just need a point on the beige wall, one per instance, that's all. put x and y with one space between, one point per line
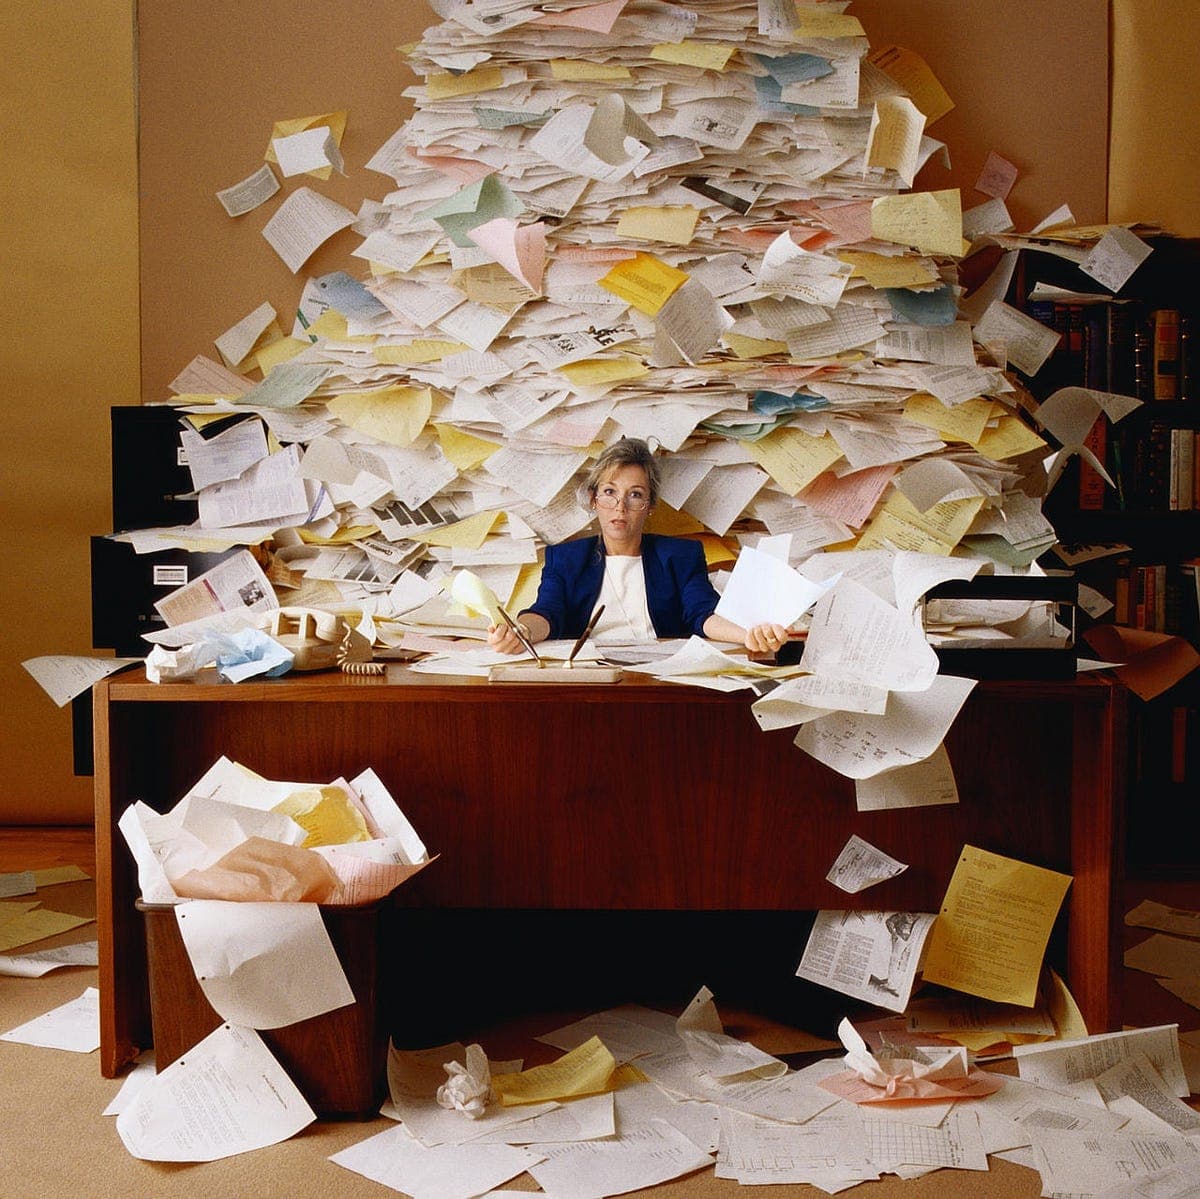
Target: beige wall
68 196
1025 75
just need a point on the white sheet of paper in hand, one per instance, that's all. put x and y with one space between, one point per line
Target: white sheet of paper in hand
74 1026
763 589
230 1071
263 965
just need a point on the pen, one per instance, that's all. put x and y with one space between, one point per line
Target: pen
512 624
591 624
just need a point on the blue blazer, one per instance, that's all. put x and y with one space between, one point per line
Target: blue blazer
679 596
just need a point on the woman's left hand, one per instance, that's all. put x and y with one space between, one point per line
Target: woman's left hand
765 638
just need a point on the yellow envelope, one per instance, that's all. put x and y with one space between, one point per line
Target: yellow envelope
395 415
587 1070
326 814
992 929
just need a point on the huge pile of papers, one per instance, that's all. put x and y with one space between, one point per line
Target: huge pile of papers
686 223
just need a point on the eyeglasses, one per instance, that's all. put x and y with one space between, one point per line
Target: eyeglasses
633 502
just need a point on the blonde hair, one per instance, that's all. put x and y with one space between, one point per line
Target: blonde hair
629 451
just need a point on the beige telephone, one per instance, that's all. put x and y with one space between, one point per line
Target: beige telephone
313 637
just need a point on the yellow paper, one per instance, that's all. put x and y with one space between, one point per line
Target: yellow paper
575 70
889 270
794 458
670 522
394 415
1010 438
705 55
335 122
525 589
35 925
330 324
417 351
644 281
912 73
992 929
271 334
674 224
895 139
462 449
899 525
474 596
929 221
752 347
588 372
58 874
587 1070
342 536
279 351
326 814
447 85
1064 1011
961 422
816 20
468 534
717 551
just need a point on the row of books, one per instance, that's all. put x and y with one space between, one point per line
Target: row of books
1117 345
1161 597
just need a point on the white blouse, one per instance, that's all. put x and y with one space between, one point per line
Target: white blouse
626 616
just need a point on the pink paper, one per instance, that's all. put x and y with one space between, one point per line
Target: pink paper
904 1089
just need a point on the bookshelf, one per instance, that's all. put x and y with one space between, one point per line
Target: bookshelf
1140 342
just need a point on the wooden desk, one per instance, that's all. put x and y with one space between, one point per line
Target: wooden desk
639 795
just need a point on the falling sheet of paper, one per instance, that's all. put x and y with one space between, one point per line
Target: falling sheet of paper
1058 1064
263 965
860 865
1149 914
226 1095
34 965
763 589
64 676
74 1026
923 784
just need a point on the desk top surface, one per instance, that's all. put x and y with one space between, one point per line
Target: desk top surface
403 685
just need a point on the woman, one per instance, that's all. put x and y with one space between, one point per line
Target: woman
650 586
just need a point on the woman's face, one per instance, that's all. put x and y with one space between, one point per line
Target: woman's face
621 526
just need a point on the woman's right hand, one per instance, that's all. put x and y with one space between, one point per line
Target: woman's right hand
502 639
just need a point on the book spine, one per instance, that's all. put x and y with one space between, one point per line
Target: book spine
1122 592
1143 363
1091 483
1187 359
1166 353
1118 346
1160 597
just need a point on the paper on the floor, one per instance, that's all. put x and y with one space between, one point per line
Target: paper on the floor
1137 1079
226 1095
263 965
587 1119
1079 1163
1057 1064
397 1160
413 1079
1165 957
140 1074
20 882
74 1026
34 923
42 961
1149 914
654 1153
1174 1182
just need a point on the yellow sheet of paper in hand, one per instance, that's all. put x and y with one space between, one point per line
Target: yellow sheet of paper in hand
992 929
794 458
587 1070
475 596
929 221
326 814
395 415
644 281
